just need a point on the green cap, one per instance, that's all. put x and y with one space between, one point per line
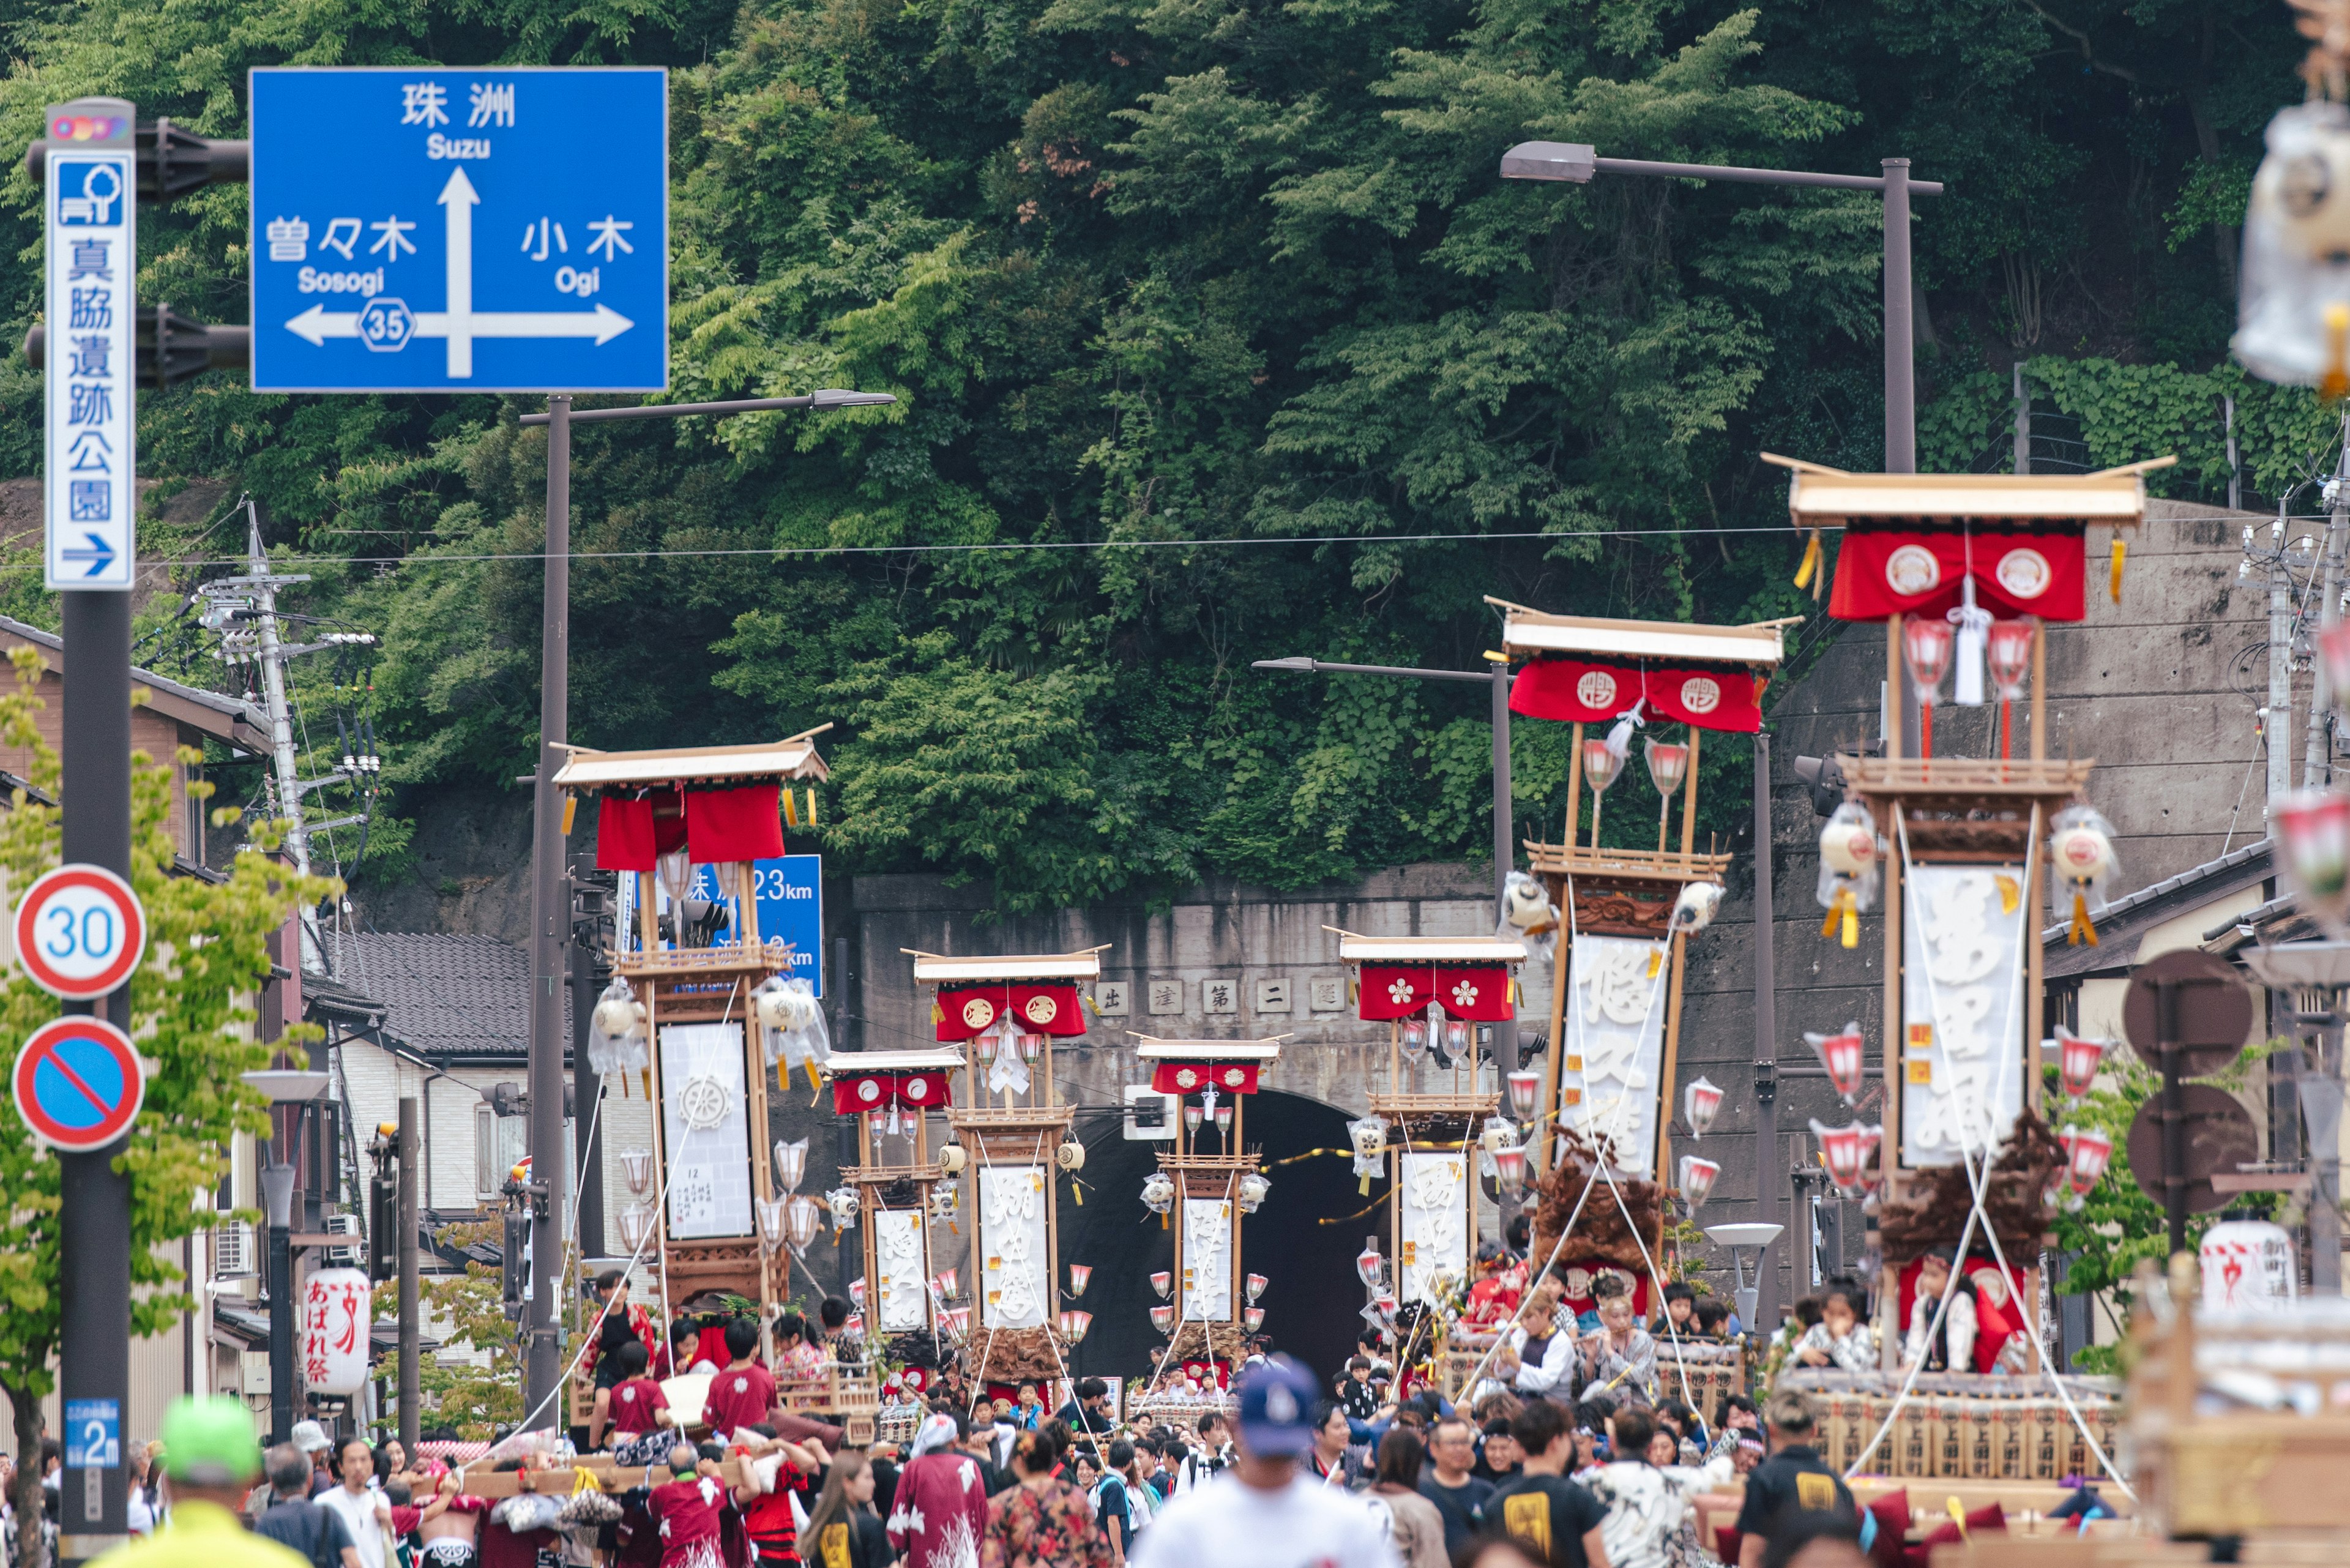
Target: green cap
209 1440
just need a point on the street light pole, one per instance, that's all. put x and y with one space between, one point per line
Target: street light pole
1576 162
551 933
1505 849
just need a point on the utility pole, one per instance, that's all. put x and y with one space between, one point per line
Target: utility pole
2317 747
2277 723
410 1329
1767 1168
281 719
550 896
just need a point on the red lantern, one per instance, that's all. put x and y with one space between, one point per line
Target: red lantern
1699 1104
1525 1094
1162 1318
1075 1324
2091 1150
1510 1168
1698 1176
943 1282
2313 828
1163 1284
2077 1058
1370 1264
1843 1055
1080 1276
1846 1150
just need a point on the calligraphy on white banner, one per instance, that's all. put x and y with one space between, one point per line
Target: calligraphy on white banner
1434 1241
706 1129
1012 1245
1962 1009
1207 1260
1615 1045
904 1271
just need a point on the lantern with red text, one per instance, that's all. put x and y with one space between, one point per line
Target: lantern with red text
337 1312
1843 1055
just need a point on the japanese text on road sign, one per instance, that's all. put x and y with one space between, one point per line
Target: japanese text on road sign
92 266
486 230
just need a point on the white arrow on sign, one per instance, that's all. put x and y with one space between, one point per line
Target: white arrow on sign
460 323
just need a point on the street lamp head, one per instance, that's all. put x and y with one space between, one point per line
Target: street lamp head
1296 664
286 1086
835 398
277 1195
1569 161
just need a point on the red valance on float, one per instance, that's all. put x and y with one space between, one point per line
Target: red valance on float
2018 569
1193 1077
1479 993
880 1091
1998 1304
965 1010
1581 690
714 826
1217 1374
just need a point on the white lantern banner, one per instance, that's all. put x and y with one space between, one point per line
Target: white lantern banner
706 1128
336 1314
1010 1244
2248 1266
1434 1236
1962 1009
1615 1045
905 1304
1207 1260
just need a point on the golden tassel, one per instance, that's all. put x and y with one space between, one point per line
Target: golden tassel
1363 1187
1836 913
570 811
646 1074
2336 380
1656 962
1078 1192
811 793
1810 567
2121 554
1851 921
1162 1221
2082 930
791 810
813 1082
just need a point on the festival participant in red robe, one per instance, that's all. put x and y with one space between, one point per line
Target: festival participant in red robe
689 1510
939 1513
740 1395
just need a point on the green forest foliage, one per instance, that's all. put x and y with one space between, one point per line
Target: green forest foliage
1221 310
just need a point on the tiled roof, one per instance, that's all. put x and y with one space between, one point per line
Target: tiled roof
444 995
2151 904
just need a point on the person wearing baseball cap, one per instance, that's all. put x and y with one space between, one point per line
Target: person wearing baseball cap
1262 1512
210 1460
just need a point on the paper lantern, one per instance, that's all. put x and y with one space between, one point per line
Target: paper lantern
337 1317
790 1164
1497 1134
1510 1169
1667 765
1031 1047
1698 1176
2078 1058
1162 1283
1074 1325
944 1285
1193 1116
1844 1057
802 1215
1600 763
1458 1035
1525 1094
1256 1284
1701 1103
856 1290
946 1202
1845 1149
1252 1318
987 1045
636 1224
636 1166
1694 907
1370 1264
1159 1192
2008 652
1080 1276
1926 642
1071 1155
1848 870
772 1228
1224 1120
2092 1151
952 1158
1162 1318
1386 1305
2313 829
843 1203
853 1325
1526 903
2292 322
1415 1039
1252 1189
2081 865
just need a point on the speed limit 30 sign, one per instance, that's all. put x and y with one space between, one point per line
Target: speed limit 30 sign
81 931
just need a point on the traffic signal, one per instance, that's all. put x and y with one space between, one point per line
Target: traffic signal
172 348
1823 776
171 162
383 1226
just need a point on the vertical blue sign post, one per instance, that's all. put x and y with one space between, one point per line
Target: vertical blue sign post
92 266
499 230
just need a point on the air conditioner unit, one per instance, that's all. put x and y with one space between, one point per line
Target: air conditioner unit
351 1257
233 1251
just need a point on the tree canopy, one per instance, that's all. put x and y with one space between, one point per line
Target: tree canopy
1218 338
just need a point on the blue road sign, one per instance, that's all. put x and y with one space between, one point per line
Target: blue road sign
93 1434
78 1083
93 234
791 905
422 230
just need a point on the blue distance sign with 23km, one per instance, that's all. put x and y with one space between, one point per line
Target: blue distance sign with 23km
425 230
